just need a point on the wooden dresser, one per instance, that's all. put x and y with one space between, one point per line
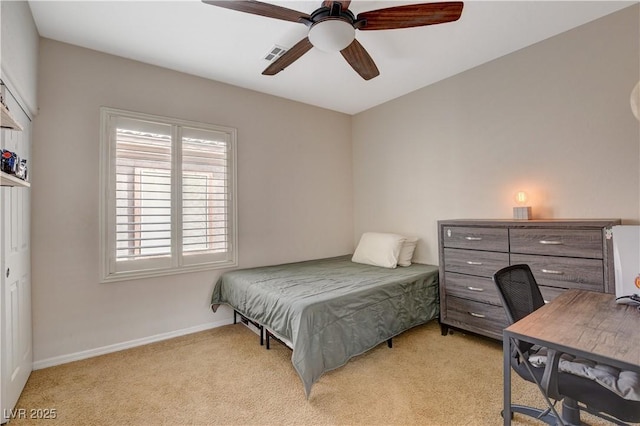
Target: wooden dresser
562 254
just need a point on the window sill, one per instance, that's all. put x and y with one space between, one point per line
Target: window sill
136 275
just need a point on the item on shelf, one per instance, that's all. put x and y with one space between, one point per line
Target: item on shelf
21 169
11 163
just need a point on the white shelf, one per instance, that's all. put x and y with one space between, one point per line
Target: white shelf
6 119
9 180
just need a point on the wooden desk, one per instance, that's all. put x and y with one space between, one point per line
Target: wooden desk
582 323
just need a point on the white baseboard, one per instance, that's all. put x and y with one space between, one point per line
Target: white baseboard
63 359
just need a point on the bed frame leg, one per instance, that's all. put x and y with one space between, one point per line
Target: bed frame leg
261 335
268 338
235 316
390 343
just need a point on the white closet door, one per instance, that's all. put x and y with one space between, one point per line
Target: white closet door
16 352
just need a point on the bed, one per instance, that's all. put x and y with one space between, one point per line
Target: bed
330 310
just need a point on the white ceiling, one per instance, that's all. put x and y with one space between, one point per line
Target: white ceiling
229 46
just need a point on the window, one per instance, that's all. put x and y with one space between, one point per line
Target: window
168 203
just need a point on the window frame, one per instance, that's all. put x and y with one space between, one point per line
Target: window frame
107 201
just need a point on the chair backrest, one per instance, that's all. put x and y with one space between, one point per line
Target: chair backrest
518 290
520 296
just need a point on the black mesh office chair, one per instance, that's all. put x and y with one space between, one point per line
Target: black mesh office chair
520 296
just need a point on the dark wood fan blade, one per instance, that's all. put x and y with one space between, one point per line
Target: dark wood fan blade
260 8
289 57
411 15
329 3
360 60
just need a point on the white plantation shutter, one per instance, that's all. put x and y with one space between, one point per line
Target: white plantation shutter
169 189
143 193
205 194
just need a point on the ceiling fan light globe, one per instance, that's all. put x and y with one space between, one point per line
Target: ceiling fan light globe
332 35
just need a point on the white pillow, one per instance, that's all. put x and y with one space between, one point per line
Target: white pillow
406 251
378 249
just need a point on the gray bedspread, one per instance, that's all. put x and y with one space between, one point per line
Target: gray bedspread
331 309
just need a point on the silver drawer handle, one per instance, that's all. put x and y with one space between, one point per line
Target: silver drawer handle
473 238
469 262
550 242
473 314
552 272
475 288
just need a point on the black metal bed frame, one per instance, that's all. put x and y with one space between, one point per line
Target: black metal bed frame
264 332
246 321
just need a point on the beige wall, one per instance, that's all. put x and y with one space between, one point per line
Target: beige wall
294 182
552 119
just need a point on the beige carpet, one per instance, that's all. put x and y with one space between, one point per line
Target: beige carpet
223 376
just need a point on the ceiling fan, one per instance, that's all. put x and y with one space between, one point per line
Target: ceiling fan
332 27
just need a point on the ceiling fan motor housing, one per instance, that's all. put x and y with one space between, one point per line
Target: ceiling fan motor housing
335 11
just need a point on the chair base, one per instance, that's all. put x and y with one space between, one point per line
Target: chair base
570 414
538 414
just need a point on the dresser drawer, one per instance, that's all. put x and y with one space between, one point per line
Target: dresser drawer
564 272
557 242
493 239
478 263
491 319
474 288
